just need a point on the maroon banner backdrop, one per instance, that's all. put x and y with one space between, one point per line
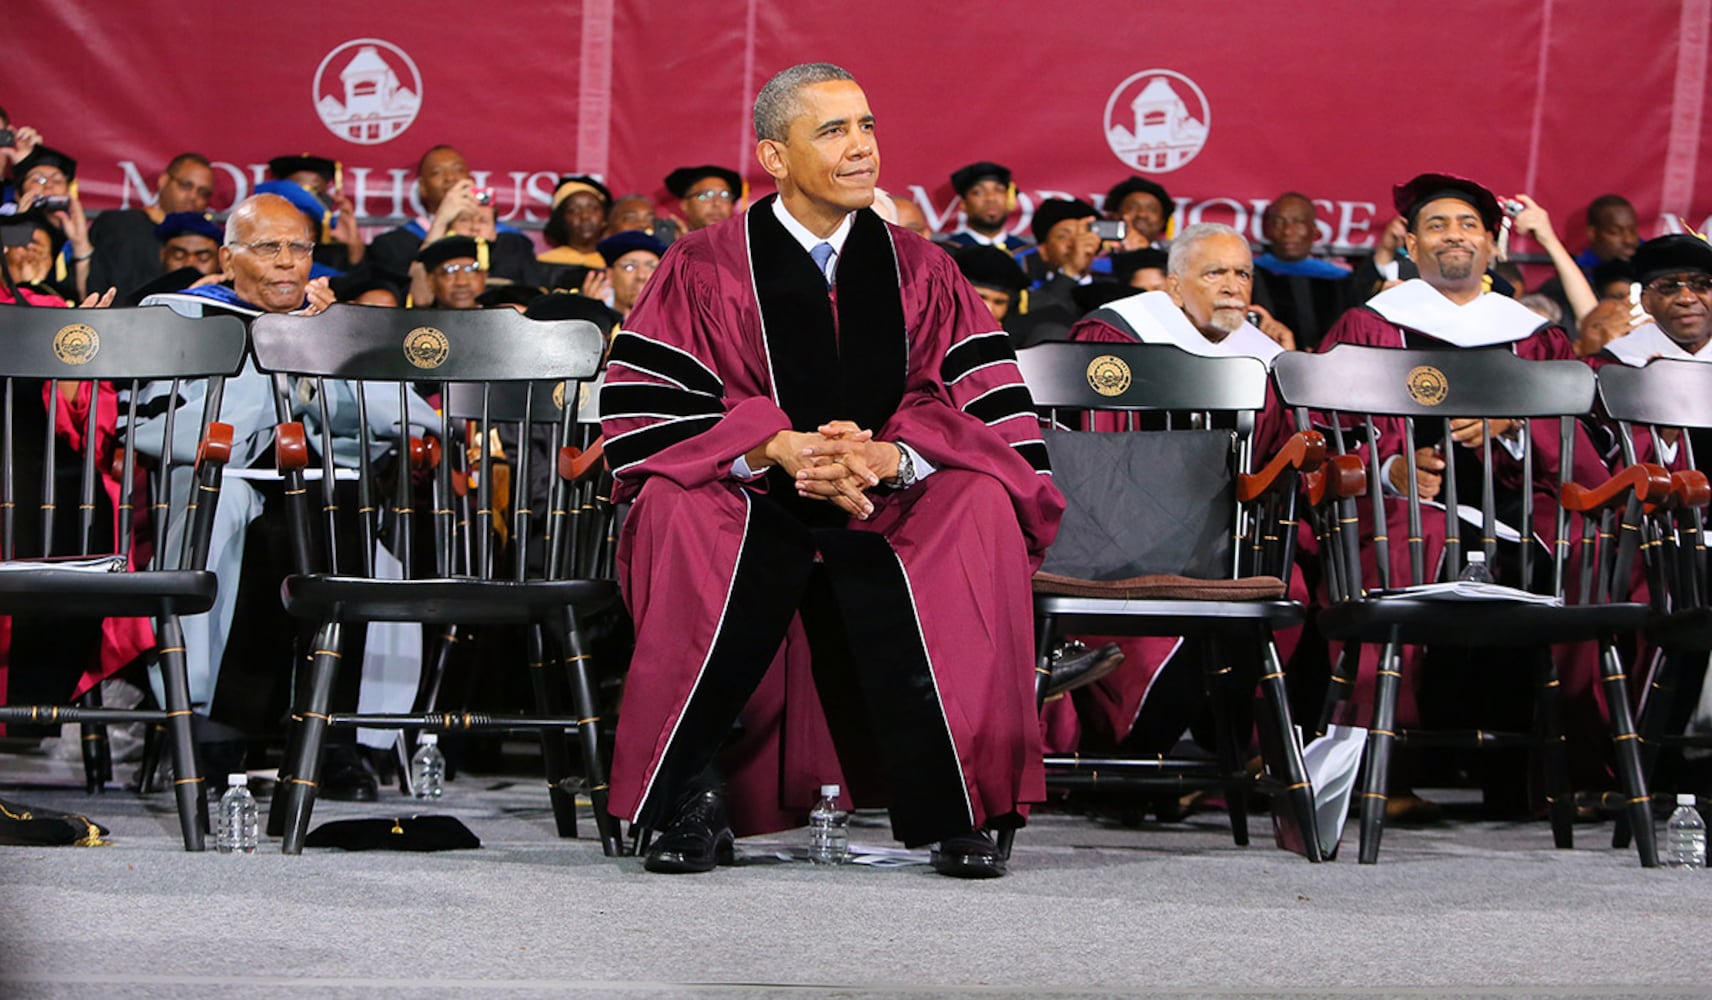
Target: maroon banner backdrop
1227 109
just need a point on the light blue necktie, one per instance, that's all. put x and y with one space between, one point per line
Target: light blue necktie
823 254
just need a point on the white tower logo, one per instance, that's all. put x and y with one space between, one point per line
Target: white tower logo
367 91
1157 120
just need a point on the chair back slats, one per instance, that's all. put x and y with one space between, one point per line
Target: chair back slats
50 470
86 495
162 486
490 371
1453 539
128 470
8 494
1380 535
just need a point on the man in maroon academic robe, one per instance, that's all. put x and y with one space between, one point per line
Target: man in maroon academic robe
829 450
1147 701
1451 223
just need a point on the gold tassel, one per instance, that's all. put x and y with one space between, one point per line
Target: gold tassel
481 253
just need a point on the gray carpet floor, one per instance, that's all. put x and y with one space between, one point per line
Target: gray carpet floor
1469 909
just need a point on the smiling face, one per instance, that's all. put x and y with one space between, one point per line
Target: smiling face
1685 315
829 162
1143 213
708 201
457 283
1451 245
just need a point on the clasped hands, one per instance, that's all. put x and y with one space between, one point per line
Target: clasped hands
1429 462
838 462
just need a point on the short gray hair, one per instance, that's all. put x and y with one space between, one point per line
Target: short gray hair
243 210
1177 262
777 104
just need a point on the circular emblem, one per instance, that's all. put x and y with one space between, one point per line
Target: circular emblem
1157 120
426 347
1108 375
367 91
558 395
76 344
1427 385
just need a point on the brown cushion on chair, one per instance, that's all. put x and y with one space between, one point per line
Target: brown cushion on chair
1160 586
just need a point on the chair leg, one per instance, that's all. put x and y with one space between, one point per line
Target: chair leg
305 765
1554 763
1218 680
555 750
92 744
1339 684
1289 767
1045 638
1626 748
1654 714
588 728
187 784
1380 736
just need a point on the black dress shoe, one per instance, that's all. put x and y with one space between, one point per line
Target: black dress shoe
698 840
968 855
347 775
1077 666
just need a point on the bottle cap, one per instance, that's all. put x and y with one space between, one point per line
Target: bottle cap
1685 799
237 779
428 739
1477 556
829 791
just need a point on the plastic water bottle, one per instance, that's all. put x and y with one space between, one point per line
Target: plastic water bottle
428 768
1476 571
828 830
235 830
1685 836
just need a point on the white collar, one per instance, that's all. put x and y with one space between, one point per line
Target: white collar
800 233
1645 343
1489 319
1158 320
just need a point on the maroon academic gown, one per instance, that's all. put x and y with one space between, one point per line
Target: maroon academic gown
919 694
1578 669
1147 702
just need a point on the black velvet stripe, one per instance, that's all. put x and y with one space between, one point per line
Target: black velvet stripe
853 369
919 761
1035 452
772 572
641 354
973 353
642 399
1001 403
623 452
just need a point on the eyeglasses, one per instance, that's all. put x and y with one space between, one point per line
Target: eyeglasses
713 194
273 248
189 186
632 266
1699 284
450 269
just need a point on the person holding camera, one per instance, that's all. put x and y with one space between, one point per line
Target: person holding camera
453 205
47 180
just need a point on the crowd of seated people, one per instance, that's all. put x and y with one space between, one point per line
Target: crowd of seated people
1079 271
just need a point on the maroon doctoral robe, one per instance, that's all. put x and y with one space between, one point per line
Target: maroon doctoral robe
1416 316
920 691
1148 701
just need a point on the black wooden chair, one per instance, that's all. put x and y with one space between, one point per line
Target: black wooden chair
1167 534
1349 391
439 494
59 515
1668 406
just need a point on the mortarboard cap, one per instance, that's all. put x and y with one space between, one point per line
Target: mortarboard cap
404 833
350 286
1137 185
1055 210
188 224
629 241
1410 197
282 167
682 179
572 305
1127 262
568 186
964 178
1673 254
35 218
990 267
45 156
507 295
453 248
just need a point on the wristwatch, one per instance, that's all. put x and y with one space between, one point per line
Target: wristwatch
906 469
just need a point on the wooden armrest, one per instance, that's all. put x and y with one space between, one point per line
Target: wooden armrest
1304 449
1648 480
216 444
424 452
1341 477
1689 488
290 447
575 463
